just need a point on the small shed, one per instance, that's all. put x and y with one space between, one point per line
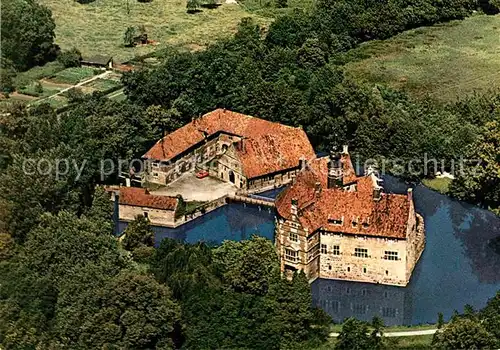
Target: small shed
98 61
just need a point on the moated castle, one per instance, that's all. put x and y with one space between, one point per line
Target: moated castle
330 223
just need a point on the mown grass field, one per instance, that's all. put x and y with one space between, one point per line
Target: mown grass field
98 27
444 62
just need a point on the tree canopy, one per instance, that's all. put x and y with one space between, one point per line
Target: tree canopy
27 33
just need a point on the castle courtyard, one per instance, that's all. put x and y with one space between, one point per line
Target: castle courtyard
194 189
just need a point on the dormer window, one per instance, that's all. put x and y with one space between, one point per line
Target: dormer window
366 224
355 221
336 221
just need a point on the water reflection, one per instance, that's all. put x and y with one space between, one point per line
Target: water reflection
459 265
343 299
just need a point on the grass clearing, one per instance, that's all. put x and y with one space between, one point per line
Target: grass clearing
103 84
98 27
33 90
413 342
269 8
438 184
336 328
418 342
445 61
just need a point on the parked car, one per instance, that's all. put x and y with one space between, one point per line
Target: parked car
201 174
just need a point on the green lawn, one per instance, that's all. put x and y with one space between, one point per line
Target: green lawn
415 342
98 27
55 102
419 342
32 90
103 84
438 184
269 8
444 61
336 328
73 75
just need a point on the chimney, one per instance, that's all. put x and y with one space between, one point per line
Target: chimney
410 193
317 189
335 171
294 207
345 149
377 193
146 191
302 163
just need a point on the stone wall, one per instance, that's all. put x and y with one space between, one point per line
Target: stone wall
292 237
375 268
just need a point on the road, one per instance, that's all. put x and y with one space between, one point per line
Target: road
402 333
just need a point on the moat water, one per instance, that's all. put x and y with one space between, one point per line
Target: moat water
458 266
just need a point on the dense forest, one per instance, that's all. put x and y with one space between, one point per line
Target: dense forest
66 282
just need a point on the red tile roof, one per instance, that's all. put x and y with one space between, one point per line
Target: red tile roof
386 217
268 147
141 198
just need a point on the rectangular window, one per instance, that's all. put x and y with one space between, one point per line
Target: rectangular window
293 236
336 250
388 255
146 215
389 312
155 174
323 249
156 164
359 309
361 252
291 255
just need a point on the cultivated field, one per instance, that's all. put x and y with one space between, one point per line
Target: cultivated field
445 61
98 27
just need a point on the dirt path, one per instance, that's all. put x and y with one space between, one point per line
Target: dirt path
100 76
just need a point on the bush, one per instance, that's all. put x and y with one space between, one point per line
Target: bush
6 80
75 95
70 58
128 37
192 6
39 88
138 233
143 254
281 3
490 7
